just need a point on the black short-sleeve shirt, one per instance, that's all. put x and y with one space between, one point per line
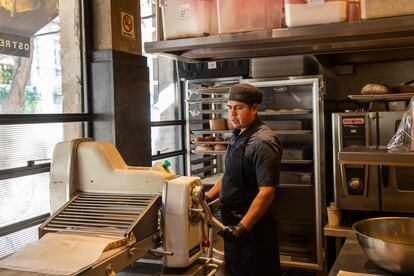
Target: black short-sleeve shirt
259 165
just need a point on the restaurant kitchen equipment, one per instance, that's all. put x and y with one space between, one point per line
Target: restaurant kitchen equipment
388 242
102 206
367 176
293 107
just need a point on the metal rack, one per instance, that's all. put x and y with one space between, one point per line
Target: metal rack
299 195
295 113
205 100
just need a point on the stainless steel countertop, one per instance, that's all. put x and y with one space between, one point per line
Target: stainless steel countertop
351 258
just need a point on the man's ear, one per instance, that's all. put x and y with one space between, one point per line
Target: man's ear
255 107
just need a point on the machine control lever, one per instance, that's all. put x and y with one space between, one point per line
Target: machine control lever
197 195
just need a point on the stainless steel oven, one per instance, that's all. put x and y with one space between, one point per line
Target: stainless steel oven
370 187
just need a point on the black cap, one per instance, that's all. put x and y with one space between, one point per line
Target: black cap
245 93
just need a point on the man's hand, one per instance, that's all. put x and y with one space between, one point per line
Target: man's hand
233 233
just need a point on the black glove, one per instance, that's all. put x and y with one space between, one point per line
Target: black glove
207 198
233 233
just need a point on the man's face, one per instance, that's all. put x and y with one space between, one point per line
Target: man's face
240 115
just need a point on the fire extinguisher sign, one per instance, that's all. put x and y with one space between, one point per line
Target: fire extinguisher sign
128 26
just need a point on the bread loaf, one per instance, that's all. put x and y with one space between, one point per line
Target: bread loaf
198 139
204 148
209 138
218 139
220 147
373 89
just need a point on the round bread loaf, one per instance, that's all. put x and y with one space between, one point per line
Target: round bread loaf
204 148
218 139
220 147
198 139
373 88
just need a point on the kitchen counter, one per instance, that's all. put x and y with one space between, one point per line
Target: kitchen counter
351 258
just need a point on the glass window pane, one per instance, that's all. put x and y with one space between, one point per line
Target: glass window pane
177 163
15 241
166 139
24 198
165 96
20 143
31 77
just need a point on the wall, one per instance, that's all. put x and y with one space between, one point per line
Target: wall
120 83
389 73
107 22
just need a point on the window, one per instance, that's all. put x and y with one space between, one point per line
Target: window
41 103
167 122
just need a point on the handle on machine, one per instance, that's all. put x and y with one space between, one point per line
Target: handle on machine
384 171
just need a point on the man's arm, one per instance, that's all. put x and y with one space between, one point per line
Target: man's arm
259 206
214 192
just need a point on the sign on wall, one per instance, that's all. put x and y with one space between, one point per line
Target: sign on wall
14 45
127 25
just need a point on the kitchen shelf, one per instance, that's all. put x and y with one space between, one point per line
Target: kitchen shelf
204 169
202 160
374 155
208 101
211 131
381 97
214 152
214 111
361 36
210 90
212 143
283 113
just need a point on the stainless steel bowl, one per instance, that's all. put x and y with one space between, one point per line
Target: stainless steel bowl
388 242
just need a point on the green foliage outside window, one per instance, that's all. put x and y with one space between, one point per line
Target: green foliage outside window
3 94
31 99
6 75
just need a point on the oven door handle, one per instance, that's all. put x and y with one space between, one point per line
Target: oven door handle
384 175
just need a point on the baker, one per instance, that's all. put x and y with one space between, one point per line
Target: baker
247 188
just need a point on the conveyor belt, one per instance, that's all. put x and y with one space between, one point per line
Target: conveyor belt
99 213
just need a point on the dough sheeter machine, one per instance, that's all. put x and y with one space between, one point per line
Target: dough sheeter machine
106 215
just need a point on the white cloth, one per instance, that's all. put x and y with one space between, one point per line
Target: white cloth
60 253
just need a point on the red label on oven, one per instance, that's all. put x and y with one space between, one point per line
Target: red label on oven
353 121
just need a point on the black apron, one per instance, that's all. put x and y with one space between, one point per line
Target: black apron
256 253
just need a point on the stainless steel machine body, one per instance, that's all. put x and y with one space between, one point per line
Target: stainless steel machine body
367 176
95 194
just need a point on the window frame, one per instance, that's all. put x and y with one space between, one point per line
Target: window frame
85 15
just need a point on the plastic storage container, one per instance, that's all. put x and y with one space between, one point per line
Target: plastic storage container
354 10
386 8
247 15
312 12
186 18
